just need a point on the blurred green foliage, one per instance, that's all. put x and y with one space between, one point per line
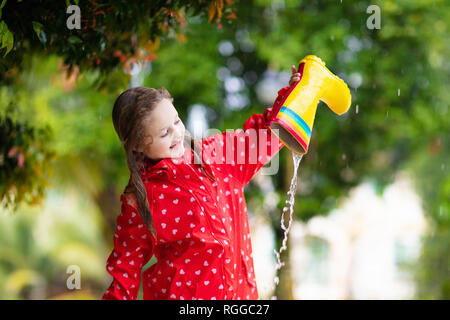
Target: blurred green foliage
24 158
112 33
38 244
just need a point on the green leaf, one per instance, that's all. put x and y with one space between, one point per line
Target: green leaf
8 41
37 27
6 38
1 6
75 39
39 30
3 28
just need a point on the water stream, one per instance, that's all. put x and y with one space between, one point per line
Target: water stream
289 205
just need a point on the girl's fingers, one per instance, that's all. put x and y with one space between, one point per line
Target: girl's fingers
295 75
293 80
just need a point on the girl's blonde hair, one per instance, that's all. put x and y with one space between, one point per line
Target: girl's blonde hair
131 108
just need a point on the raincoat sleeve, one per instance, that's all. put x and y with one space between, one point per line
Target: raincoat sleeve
133 247
246 151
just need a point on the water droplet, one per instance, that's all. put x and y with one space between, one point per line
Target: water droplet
357 109
442 166
398 92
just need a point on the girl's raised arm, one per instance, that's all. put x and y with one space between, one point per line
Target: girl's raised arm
242 153
133 247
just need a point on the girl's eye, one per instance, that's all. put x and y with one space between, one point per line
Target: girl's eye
167 132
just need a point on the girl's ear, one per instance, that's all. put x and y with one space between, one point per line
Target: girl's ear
140 148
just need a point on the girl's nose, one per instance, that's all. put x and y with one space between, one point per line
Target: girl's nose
179 134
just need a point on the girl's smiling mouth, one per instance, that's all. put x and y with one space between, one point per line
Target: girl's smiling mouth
175 145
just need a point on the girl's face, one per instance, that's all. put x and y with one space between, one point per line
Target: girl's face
164 133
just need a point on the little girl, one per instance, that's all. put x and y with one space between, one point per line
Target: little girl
184 206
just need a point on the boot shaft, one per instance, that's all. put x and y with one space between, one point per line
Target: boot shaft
295 119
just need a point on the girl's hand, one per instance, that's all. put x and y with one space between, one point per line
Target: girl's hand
295 76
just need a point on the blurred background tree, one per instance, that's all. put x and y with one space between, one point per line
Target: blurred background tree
397 75
102 52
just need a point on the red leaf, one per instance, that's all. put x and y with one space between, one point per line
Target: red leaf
13 152
21 160
151 57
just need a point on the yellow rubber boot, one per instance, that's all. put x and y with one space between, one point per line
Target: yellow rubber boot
295 118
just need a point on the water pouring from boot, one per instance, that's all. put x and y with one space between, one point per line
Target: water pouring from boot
294 122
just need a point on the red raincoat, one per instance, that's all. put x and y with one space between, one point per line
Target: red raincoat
203 247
